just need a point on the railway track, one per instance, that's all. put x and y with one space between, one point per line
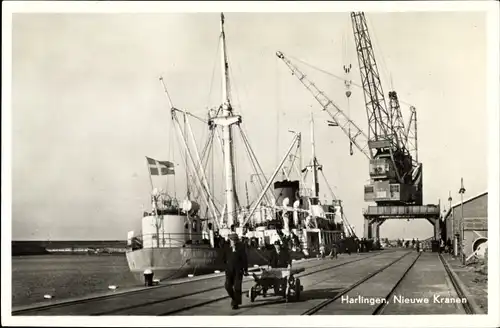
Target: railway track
382 282
199 284
224 296
470 307
467 306
327 302
382 278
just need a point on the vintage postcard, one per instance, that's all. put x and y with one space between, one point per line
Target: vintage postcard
288 163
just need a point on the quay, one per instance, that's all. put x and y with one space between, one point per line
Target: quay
380 282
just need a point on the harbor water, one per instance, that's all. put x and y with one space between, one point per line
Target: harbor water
66 276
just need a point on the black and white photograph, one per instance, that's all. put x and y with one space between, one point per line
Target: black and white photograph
203 160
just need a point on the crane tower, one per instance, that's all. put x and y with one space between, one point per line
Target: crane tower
390 145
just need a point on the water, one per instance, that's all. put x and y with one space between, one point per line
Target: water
66 276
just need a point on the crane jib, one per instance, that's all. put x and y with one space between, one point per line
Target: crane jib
389 145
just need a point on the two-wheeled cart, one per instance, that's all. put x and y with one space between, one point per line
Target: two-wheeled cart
282 280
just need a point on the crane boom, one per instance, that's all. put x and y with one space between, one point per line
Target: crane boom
379 118
397 122
357 136
395 177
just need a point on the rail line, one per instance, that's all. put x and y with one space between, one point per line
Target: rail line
214 300
467 306
141 291
209 290
380 308
407 267
336 296
102 297
327 302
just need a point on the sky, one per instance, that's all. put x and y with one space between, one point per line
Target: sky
87 106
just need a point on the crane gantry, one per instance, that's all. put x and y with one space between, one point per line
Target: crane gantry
390 144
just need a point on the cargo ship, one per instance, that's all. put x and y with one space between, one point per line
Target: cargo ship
177 239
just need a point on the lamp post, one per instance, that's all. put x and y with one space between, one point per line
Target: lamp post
453 250
461 192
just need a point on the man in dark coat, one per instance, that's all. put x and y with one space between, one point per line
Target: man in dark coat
335 250
235 258
280 257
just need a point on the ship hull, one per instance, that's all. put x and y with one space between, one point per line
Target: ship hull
178 262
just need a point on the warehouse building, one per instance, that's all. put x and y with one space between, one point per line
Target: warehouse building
471 229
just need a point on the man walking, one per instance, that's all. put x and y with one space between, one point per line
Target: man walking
334 252
235 258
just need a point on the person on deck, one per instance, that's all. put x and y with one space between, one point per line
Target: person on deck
236 261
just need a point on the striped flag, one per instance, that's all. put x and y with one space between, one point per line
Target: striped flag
160 167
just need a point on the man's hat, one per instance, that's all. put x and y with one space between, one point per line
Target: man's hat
233 236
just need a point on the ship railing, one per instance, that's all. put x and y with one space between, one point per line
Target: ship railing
168 240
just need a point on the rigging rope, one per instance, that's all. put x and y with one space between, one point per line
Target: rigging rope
342 216
347 83
204 159
385 70
169 155
253 161
173 158
336 76
213 72
185 157
277 85
235 154
184 161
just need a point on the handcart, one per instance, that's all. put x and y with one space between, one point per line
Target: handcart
282 280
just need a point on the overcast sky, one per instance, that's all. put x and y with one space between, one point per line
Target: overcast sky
87 106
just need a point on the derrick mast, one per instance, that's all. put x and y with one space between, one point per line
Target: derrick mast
226 120
227 133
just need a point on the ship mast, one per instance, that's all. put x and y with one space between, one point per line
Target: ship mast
315 167
226 120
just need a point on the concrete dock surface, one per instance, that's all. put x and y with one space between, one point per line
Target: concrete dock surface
397 281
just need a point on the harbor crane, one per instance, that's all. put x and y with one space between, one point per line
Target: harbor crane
390 145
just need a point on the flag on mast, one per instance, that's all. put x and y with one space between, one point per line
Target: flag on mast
160 167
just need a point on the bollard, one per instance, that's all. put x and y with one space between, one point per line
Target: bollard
148 277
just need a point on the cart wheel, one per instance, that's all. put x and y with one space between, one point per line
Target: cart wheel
287 293
276 289
298 289
252 294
